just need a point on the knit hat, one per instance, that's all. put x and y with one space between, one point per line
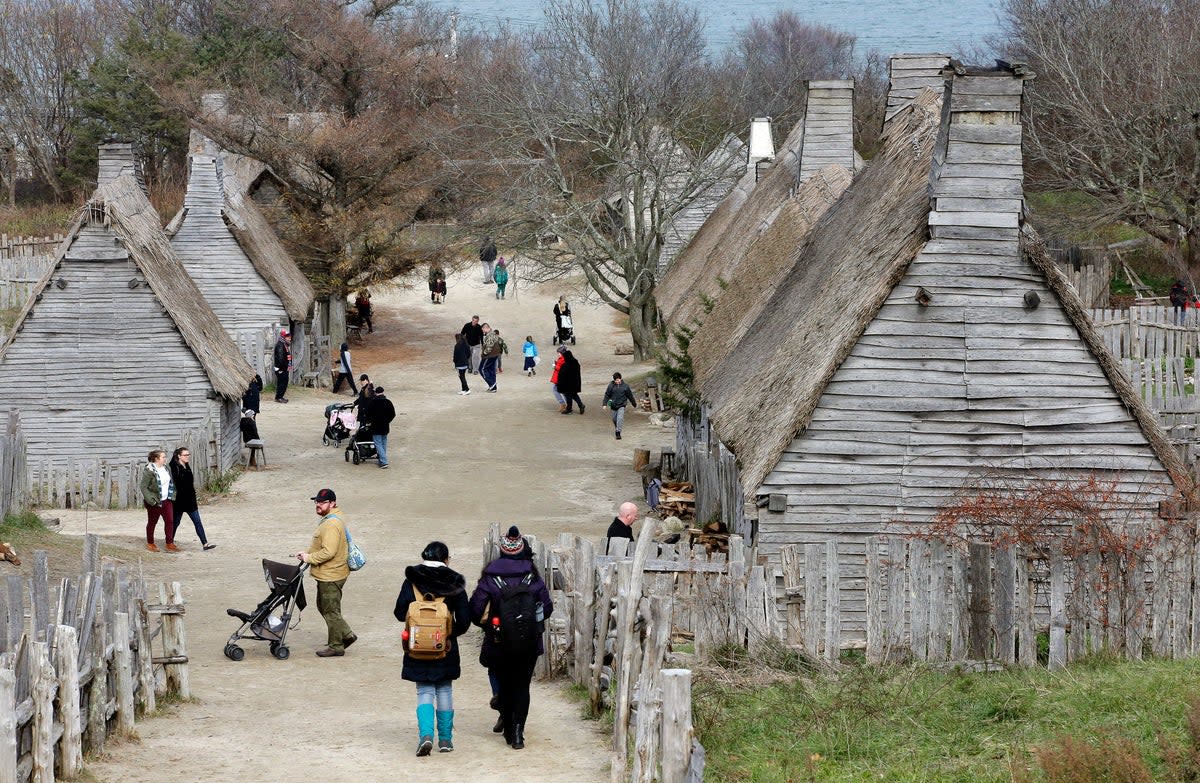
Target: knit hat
512 543
562 349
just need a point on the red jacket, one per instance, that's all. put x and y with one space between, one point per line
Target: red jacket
554 373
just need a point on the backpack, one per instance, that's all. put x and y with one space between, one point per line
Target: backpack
518 629
428 627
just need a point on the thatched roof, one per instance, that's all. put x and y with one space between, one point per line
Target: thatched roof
122 207
719 247
769 259
765 394
1034 251
259 241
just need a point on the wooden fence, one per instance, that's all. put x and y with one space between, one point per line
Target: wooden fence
712 468
82 667
106 484
1090 271
19 274
14 480
1149 331
931 602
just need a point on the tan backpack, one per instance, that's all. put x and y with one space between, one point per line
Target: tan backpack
428 627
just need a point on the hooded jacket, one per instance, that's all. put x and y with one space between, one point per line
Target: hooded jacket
436 580
570 380
509 568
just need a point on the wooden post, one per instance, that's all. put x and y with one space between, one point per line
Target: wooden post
147 698
814 601
39 620
8 726
98 688
790 561
43 688
66 664
833 603
738 616
938 596
601 623
583 595
897 559
1006 599
656 612
918 594
875 601
123 673
627 617
175 644
1058 608
979 572
676 724
641 458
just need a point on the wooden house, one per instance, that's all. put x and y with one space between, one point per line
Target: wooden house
920 340
685 223
229 249
117 351
715 256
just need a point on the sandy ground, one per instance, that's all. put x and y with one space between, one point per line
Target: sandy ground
458 464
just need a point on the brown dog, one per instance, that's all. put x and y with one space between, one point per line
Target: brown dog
8 553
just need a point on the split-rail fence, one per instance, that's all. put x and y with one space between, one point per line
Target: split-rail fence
81 667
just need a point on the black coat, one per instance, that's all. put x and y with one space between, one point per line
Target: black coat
250 400
569 375
473 333
444 582
486 600
462 354
185 486
281 355
380 413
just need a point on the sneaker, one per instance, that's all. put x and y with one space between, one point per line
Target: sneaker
208 547
468 391
491 388
383 467
172 548
568 413
425 746
152 547
618 434
445 746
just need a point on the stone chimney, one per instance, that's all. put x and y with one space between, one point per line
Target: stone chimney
117 158
908 74
828 127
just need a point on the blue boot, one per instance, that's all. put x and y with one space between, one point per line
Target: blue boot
425 729
445 726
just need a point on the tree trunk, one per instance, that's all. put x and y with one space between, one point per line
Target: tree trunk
641 328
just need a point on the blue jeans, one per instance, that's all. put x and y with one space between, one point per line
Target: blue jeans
381 448
195 516
439 693
487 370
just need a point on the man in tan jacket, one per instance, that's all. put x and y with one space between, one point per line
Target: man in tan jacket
326 557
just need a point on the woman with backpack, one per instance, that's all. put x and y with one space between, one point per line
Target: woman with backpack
512 603
433 607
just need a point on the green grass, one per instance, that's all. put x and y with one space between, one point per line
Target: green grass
40 220
914 725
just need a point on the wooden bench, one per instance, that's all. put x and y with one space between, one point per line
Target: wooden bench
255 447
309 379
354 331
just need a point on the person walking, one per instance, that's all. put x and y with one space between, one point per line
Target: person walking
362 303
439 291
436 273
158 496
492 347
185 494
570 382
503 351
558 363
561 309
530 352
501 277
473 331
487 257
282 358
509 590
616 397
380 413
1179 299
326 558
430 580
345 372
462 361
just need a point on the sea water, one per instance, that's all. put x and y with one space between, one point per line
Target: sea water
946 26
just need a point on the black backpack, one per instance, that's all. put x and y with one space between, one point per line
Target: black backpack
518 631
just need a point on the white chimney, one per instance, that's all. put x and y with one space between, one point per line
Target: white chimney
762 146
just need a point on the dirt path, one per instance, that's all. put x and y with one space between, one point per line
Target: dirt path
458 463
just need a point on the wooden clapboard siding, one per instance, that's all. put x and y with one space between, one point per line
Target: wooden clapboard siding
933 396
237 293
828 127
99 369
684 225
911 73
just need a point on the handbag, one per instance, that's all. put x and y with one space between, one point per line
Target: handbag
355 558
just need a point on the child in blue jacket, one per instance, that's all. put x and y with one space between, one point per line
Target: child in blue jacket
530 351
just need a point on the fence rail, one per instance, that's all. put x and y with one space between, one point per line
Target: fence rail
82 668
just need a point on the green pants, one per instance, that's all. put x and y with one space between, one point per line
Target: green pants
329 604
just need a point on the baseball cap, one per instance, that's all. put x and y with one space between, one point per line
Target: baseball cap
324 495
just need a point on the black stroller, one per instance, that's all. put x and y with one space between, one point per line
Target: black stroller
340 421
361 447
566 331
270 619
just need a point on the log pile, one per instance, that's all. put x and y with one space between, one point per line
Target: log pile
714 537
677 499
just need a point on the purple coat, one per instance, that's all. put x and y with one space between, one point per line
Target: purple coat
487 595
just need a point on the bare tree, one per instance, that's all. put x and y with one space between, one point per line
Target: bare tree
601 127
46 46
1115 110
343 101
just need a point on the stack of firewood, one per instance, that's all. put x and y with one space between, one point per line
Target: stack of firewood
676 499
714 537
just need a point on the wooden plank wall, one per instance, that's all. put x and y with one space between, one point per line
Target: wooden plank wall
683 226
933 395
828 127
82 668
911 73
99 370
237 293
